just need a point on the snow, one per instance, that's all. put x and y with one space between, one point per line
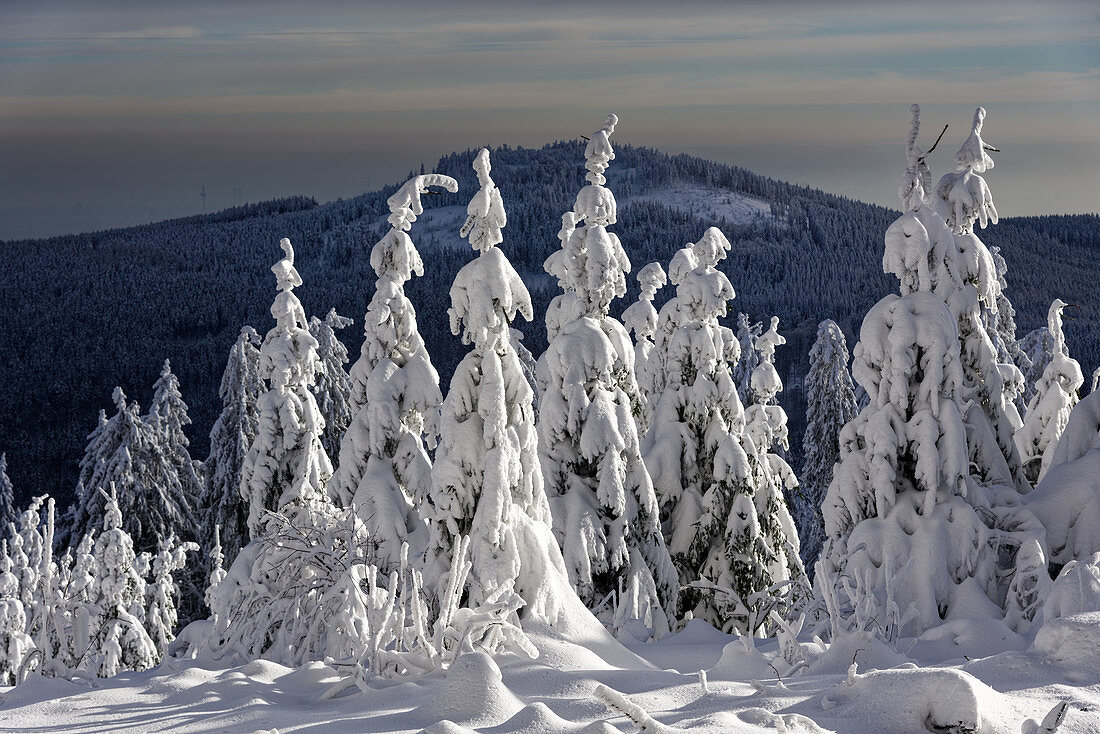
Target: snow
707 203
570 689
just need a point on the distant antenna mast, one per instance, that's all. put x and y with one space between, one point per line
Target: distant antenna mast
203 195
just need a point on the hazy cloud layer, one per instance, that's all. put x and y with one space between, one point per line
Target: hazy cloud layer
142 103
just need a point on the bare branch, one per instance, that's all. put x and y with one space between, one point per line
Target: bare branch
937 141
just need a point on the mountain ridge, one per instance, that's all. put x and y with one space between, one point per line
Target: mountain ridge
93 310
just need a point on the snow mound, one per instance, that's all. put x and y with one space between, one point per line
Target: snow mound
870 653
706 202
472 693
788 723
1072 641
741 661
1076 590
537 718
920 700
965 638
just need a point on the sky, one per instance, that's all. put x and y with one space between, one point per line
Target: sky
118 113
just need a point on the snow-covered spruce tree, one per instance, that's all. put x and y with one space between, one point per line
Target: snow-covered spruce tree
765 437
162 594
830 404
332 387
395 397
701 473
641 318
232 434
168 416
965 276
128 453
1038 347
286 468
119 640
1001 326
605 512
1050 407
487 483
742 371
7 497
15 643
921 471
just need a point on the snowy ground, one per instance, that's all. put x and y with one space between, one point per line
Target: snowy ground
561 692
707 203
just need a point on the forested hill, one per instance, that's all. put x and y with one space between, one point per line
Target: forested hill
85 313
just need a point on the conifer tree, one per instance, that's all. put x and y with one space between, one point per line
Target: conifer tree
1037 348
128 453
742 371
641 318
924 478
232 435
15 643
487 482
605 511
395 397
830 405
694 450
332 387
168 416
1049 409
286 469
161 595
120 641
7 497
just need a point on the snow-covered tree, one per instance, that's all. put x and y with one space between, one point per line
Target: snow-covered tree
830 404
1037 347
162 594
641 318
487 483
749 359
1050 407
232 434
694 448
7 497
217 567
128 453
332 387
924 472
605 512
15 643
120 641
395 397
168 416
286 469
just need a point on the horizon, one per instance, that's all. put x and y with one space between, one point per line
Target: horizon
120 114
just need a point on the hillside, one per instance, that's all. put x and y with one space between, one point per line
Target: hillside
87 312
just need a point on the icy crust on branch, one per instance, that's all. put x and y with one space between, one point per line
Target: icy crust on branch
1055 396
232 434
963 196
830 405
641 318
395 397
286 468
487 482
604 509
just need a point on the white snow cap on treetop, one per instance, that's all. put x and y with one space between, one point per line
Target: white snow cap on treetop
285 274
916 182
769 340
1054 324
405 205
486 216
972 155
598 153
652 278
711 247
